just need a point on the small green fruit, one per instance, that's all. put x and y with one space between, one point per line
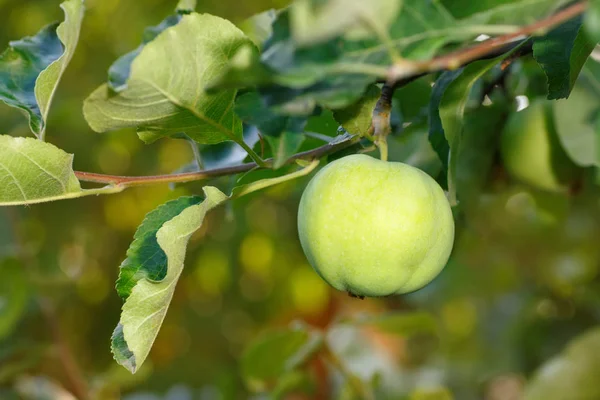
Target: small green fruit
531 150
375 228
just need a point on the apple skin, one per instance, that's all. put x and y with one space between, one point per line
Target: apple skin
531 150
375 228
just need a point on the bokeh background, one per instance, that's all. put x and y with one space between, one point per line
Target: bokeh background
521 283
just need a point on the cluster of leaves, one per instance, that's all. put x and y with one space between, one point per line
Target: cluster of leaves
294 78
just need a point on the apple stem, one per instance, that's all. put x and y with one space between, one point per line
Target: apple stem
381 119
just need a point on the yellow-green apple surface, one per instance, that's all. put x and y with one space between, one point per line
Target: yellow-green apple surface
375 228
531 150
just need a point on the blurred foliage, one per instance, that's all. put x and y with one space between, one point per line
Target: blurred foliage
521 286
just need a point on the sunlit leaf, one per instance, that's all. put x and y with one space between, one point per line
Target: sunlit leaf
148 301
119 71
561 54
573 374
14 294
165 92
575 120
276 352
32 171
317 21
31 68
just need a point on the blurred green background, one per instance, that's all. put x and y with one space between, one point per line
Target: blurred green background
521 283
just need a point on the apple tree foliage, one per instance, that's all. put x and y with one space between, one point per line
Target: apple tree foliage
268 99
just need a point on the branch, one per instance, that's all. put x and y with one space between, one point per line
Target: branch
400 74
129 181
497 45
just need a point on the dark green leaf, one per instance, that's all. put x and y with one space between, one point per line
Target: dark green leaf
343 59
437 137
451 112
561 54
356 119
145 259
276 352
31 68
283 133
475 155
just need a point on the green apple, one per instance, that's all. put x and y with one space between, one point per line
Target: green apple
531 150
375 228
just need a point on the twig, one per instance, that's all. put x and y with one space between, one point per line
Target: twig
381 119
462 57
209 173
397 76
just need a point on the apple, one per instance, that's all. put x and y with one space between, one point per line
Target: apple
532 152
375 228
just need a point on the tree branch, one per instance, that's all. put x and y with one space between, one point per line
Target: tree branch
497 45
128 181
398 75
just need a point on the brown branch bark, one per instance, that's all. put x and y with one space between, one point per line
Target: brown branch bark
484 49
116 180
399 75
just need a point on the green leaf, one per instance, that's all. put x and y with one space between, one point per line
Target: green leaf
277 352
259 27
575 121
31 68
148 301
284 146
334 71
145 259
283 133
14 295
32 171
561 54
475 154
316 21
186 5
165 93
263 178
437 137
119 71
356 119
573 374
228 153
591 20
452 110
